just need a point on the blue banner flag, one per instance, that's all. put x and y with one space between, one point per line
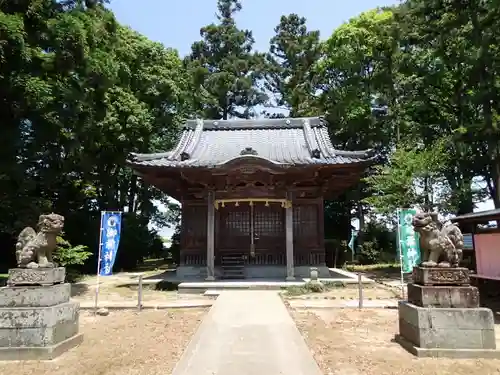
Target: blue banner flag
111 225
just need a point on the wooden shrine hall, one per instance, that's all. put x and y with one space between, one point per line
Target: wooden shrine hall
252 194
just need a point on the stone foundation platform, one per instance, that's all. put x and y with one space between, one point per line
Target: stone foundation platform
446 353
253 272
442 317
450 328
37 322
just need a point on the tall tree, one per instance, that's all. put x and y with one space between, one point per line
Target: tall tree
226 73
78 92
446 96
355 79
292 53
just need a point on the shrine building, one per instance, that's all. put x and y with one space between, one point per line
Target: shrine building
252 194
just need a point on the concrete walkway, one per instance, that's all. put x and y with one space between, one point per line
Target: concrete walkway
247 333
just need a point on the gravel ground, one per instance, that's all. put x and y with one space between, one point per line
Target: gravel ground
122 343
353 342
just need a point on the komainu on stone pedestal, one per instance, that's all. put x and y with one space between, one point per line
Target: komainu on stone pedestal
441 245
442 317
38 321
34 250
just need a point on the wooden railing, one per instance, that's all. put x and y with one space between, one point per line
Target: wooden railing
193 259
309 259
260 258
267 259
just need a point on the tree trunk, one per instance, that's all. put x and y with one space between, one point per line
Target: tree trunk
132 193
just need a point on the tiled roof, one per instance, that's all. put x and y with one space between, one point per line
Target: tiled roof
285 142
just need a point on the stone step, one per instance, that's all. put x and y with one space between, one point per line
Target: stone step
233 266
234 274
233 263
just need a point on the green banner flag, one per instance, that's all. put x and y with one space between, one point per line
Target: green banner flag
409 247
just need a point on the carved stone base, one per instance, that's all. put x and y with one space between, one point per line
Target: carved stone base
36 276
440 276
447 328
37 322
443 296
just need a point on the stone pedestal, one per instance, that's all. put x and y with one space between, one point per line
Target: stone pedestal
442 317
37 319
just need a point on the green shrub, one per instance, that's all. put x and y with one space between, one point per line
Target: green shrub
369 252
69 256
314 287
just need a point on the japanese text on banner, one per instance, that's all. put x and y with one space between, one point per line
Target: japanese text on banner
408 241
110 239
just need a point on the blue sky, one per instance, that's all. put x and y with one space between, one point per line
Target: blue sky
177 24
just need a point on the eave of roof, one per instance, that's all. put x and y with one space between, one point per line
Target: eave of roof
479 216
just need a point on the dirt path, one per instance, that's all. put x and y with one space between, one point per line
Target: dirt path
354 342
123 343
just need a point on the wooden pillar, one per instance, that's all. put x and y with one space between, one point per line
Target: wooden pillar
289 240
210 237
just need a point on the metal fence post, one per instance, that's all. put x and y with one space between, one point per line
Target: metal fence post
360 289
139 294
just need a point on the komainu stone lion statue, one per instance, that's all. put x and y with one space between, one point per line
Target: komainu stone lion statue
34 250
440 245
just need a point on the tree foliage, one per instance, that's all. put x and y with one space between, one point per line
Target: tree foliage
224 70
293 51
412 177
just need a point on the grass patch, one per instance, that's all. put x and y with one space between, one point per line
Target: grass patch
155 265
311 287
372 267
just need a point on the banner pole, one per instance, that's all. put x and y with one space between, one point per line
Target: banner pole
98 265
400 248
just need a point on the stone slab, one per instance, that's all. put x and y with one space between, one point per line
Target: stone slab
443 296
448 338
447 328
38 317
453 318
440 276
40 353
38 337
36 276
35 296
446 353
